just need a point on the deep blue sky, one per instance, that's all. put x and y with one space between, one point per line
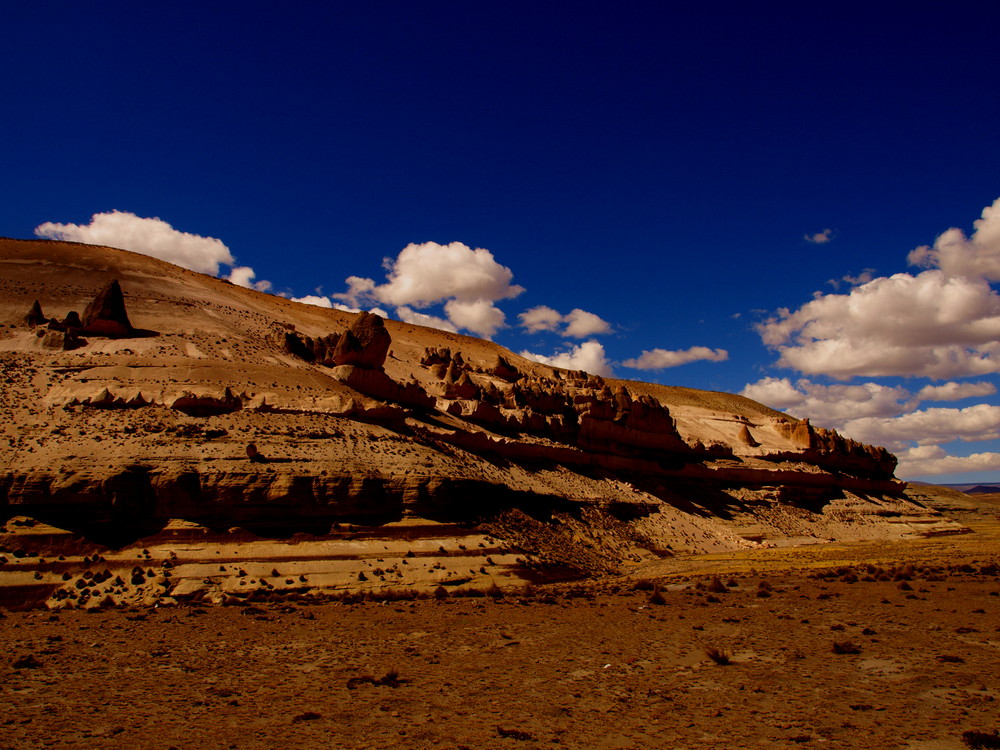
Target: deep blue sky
657 166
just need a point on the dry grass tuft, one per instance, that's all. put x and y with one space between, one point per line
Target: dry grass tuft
716 586
514 734
389 679
846 647
719 656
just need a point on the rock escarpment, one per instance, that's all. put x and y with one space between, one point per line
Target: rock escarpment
356 420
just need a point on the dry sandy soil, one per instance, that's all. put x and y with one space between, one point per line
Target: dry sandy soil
603 665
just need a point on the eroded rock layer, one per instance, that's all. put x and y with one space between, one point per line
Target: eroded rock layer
228 407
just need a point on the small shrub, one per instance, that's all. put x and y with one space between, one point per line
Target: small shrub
26 662
905 573
657 597
846 647
715 586
389 679
981 740
719 656
515 734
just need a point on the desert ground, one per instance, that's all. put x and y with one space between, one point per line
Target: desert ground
893 645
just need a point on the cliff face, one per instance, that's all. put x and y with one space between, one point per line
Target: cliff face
228 407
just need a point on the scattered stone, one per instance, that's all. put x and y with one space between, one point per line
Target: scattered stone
27 661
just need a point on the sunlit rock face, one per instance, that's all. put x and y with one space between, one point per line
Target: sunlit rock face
144 412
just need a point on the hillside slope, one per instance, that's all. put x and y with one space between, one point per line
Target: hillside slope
214 406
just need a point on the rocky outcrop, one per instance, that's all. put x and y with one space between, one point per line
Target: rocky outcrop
106 314
318 350
832 451
503 369
163 426
59 340
203 405
746 437
365 344
35 316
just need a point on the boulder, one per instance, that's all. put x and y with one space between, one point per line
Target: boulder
504 370
365 344
72 320
59 340
106 314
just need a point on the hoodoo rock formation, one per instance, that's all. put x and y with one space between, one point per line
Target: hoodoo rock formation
106 315
374 425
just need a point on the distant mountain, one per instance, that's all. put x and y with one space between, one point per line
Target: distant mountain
968 489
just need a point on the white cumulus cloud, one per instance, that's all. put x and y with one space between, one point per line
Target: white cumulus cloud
479 316
975 257
244 276
467 281
315 299
577 323
154 237
940 323
581 324
819 238
953 391
928 460
830 405
588 356
428 273
357 289
540 318
409 315
927 427
658 359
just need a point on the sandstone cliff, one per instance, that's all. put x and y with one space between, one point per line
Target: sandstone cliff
228 407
